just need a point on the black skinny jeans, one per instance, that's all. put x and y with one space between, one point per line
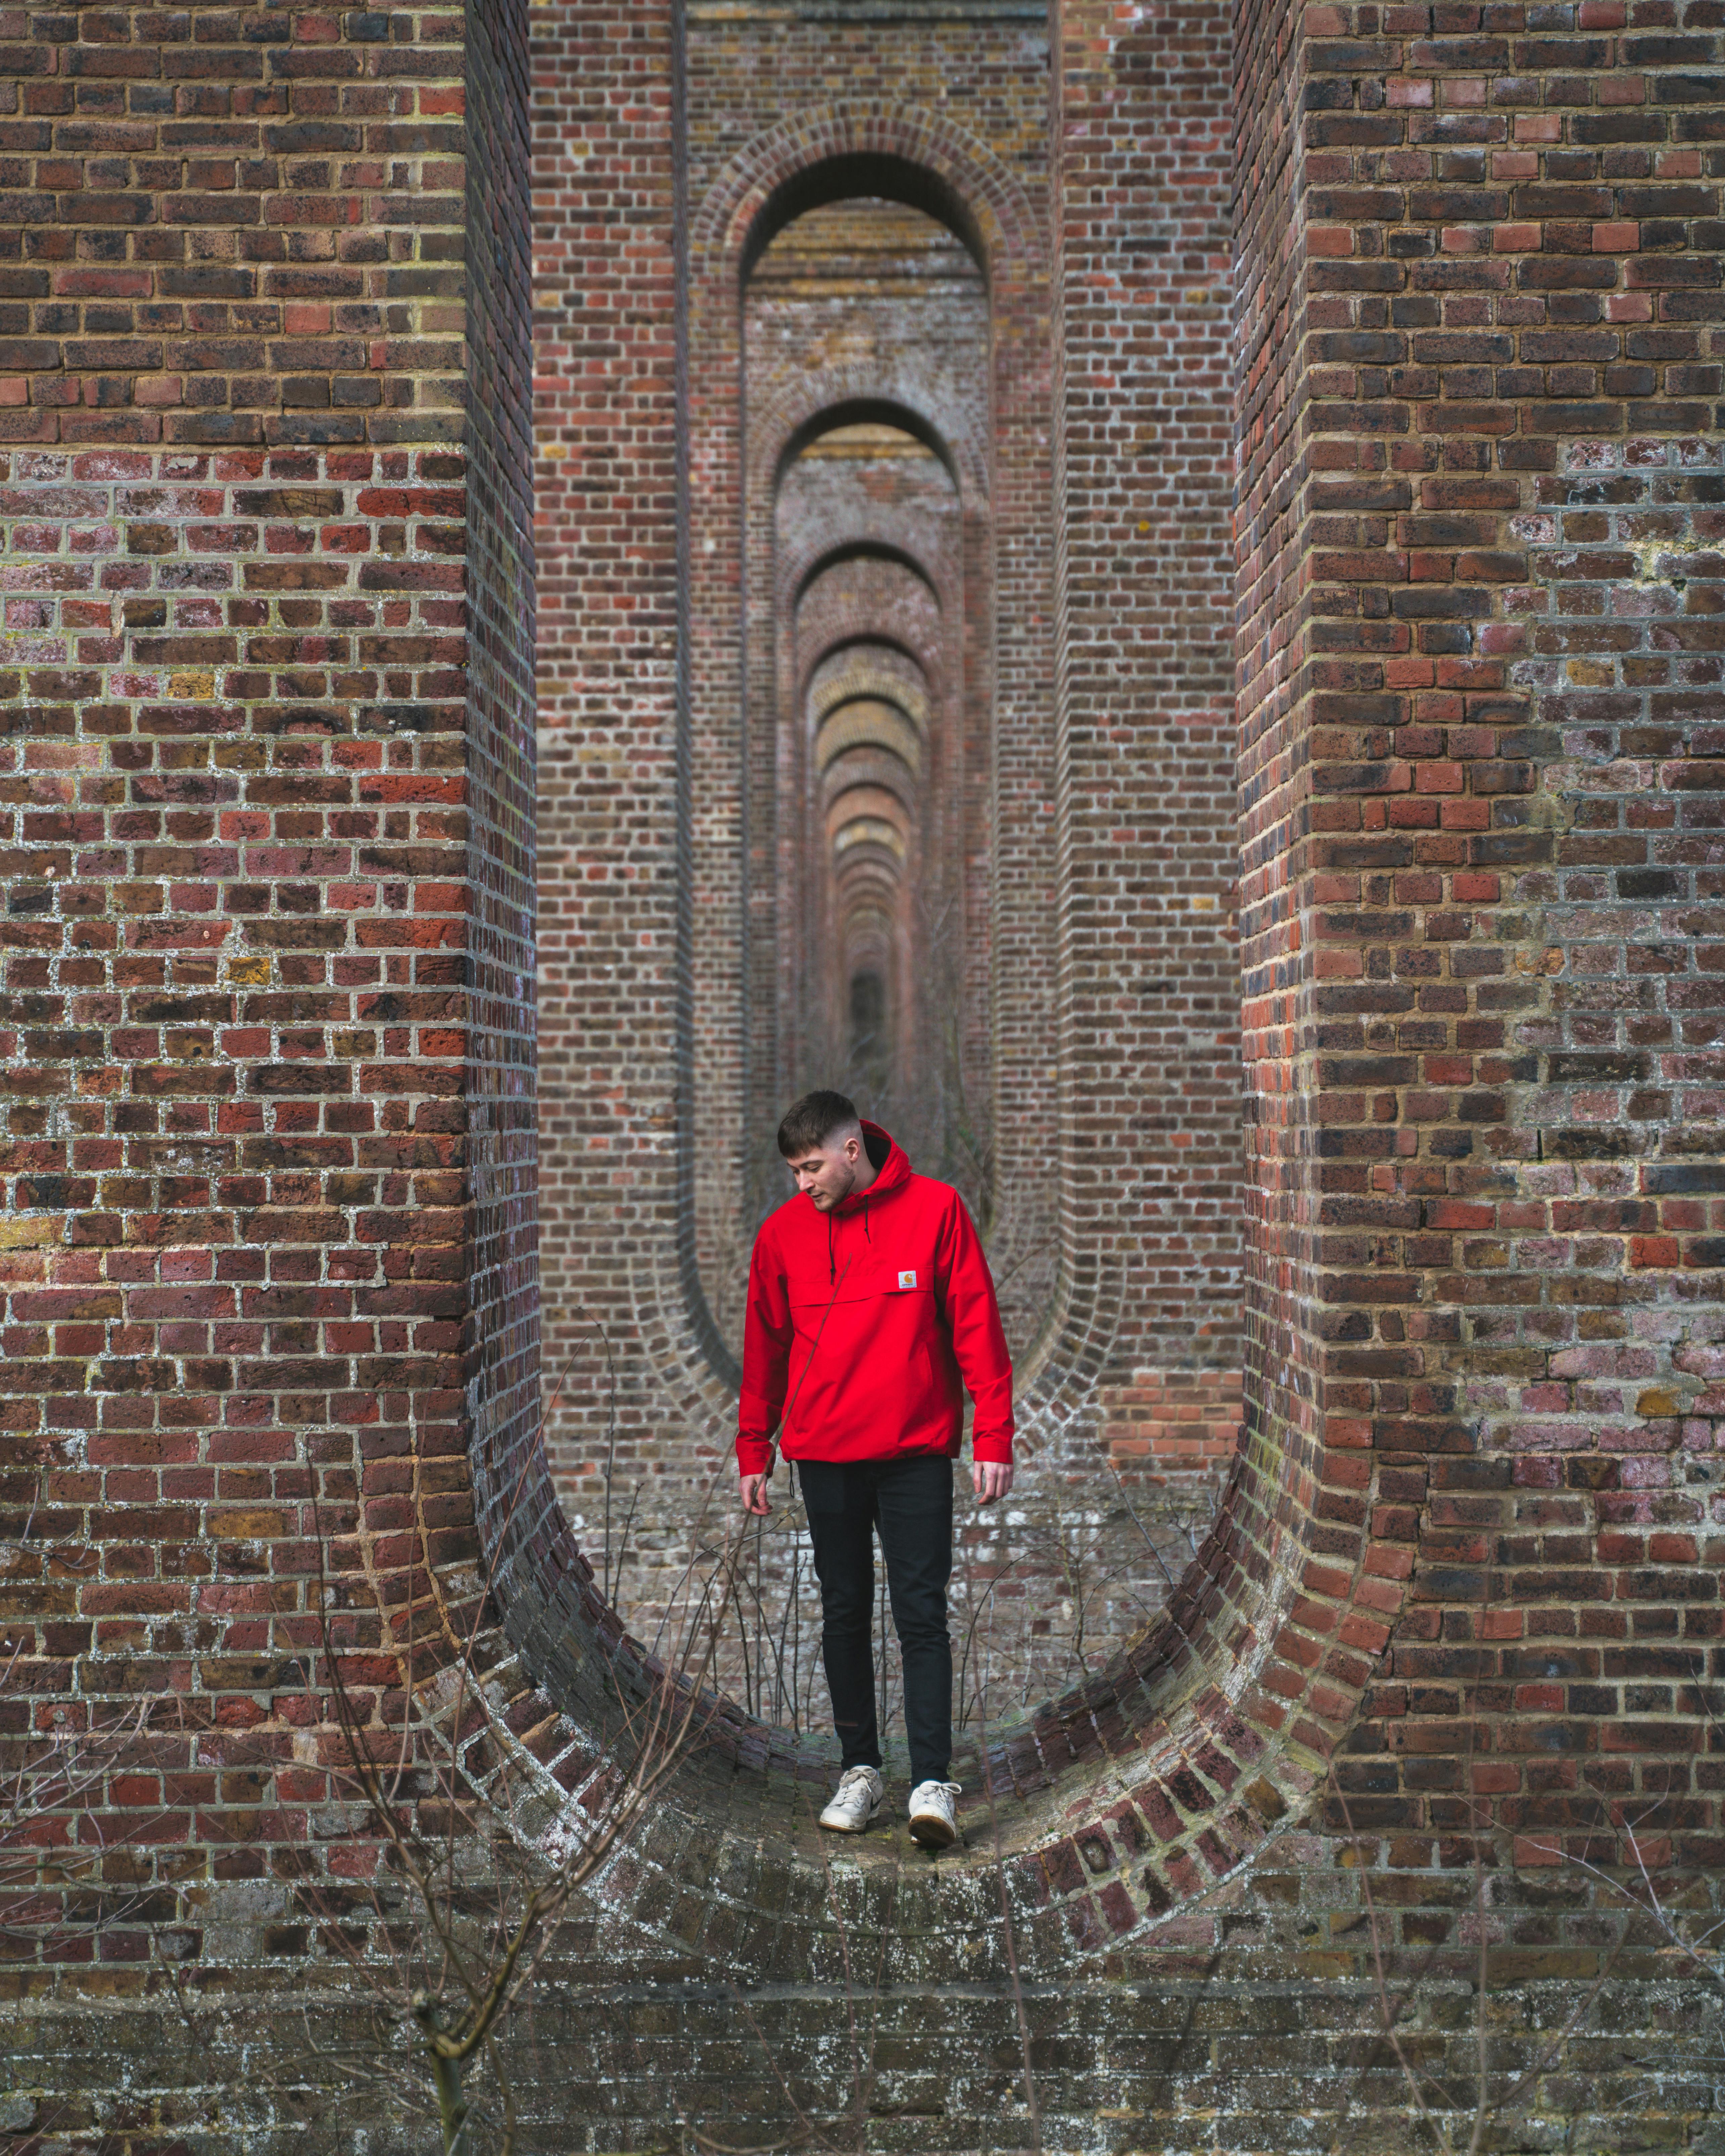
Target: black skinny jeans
909 1499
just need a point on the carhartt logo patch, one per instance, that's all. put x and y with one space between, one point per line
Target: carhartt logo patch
908 1280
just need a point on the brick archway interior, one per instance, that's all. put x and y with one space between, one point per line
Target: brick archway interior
887 827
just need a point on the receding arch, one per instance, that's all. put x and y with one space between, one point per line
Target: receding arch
901 621
841 770
872 639
862 701
870 830
859 684
869 766
869 797
872 725
734 1034
866 412
863 550
928 405
886 174
953 176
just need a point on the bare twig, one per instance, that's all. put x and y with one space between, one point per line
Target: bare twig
457 1981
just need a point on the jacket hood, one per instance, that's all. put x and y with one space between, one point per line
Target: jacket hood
891 1175
865 1327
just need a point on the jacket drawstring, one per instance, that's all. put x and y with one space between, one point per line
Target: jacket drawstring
868 1233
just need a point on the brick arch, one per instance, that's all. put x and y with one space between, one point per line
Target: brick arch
873 879
868 723
876 696
878 820
1163 1772
866 622
904 616
771 180
844 396
917 155
918 528
1133 1795
858 678
823 888
868 761
869 788
891 675
870 689
802 576
757 194
833 654
1157 1778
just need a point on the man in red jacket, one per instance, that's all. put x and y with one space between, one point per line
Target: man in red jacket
870 1312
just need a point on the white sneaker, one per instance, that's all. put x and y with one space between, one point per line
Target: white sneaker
859 1796
931 1821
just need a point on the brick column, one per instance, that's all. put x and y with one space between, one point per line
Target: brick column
264 934
612 877
1151 1085
1478 676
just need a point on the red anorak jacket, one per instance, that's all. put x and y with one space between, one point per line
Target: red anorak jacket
866 1325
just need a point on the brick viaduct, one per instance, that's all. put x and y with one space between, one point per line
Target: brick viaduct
1185 549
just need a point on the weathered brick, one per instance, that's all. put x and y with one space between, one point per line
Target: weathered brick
270 1145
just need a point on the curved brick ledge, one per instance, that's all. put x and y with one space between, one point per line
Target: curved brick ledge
1115 1805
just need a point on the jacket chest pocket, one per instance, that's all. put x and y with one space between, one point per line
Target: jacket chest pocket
854 1279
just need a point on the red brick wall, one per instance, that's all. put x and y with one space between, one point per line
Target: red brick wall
1151 1083
266 873
606 490
265 1145
1476 677
236 1183
1282 1462
502 1109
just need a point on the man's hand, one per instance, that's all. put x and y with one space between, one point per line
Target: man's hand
992 1479
754 1492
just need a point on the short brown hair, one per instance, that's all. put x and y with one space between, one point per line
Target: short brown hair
811 1120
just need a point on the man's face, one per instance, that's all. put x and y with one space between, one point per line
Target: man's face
826 1174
